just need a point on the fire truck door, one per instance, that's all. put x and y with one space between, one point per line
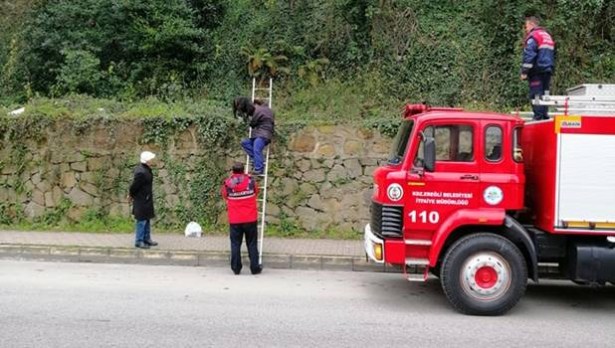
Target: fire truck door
451 186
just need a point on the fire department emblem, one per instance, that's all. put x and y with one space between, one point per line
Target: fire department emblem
395 192
493 195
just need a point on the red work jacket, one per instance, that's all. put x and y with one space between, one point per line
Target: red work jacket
239 192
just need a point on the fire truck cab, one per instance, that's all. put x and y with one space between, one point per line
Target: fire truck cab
486 201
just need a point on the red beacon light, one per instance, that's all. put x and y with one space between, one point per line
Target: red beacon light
415 109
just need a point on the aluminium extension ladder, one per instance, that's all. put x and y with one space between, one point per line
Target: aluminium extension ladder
257 94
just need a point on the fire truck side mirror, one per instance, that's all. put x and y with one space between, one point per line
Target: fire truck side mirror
430 154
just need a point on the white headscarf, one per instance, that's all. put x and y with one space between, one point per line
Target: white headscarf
147 156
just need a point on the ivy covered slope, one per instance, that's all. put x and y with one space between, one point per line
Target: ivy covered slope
63 154
330 57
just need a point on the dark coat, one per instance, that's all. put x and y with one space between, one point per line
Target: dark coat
141 193
262 122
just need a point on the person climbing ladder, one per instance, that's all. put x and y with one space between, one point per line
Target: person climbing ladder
262 122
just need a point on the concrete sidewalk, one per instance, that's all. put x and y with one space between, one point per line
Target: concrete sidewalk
175 249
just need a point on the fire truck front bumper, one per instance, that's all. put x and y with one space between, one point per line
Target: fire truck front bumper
374 246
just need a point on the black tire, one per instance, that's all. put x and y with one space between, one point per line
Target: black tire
495 256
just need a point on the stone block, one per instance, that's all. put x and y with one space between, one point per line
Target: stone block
79 198
74 157
303 165
289 186
89 177
273 210
68 180
308 189
365 133
353 148
36 179
381 146
29 186
79 166
89 189
315 175
327 129
315 202
119 209
97 163
38 197
353 167
8 170
302 143
34 210
53 197
316 163
369 170
337 173
76 213
326 150
368 161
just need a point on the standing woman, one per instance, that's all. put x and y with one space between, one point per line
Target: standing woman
143 200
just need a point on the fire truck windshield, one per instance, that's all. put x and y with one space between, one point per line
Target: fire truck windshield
400 143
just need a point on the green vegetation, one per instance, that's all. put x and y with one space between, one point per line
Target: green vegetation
364 56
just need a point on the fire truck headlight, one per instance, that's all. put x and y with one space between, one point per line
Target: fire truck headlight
378 251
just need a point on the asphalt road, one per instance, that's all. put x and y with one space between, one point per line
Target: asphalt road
98 305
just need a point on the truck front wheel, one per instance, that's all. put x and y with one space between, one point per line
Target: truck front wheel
483 274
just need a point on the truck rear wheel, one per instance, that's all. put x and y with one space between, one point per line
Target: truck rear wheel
483 274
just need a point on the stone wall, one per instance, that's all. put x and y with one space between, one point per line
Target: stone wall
319 179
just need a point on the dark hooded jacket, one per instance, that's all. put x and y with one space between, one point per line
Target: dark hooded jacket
262 122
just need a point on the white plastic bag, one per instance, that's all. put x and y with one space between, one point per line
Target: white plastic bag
193 230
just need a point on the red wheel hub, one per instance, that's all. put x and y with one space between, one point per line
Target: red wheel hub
486 277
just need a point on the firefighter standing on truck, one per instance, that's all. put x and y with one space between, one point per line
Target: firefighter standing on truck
239 192
538 62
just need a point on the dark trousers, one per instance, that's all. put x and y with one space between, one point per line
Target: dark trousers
539 83
237 233
254 148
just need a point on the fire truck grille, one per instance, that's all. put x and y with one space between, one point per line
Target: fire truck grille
386 221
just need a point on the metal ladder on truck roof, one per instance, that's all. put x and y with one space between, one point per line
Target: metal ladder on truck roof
587 100
262 195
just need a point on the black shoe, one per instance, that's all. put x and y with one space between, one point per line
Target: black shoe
150 242
141 245
257 271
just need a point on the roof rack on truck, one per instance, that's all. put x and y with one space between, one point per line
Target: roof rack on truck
586 99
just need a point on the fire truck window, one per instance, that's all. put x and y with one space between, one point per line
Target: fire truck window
420 155
401 142
517 151
493 143
454 143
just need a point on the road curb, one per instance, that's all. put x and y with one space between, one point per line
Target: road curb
183 258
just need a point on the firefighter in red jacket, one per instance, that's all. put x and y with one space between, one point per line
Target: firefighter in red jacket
538 62
239 192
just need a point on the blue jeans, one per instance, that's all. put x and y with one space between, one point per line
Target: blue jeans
254 148
539 83
143 232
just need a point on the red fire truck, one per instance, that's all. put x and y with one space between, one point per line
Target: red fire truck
486 201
